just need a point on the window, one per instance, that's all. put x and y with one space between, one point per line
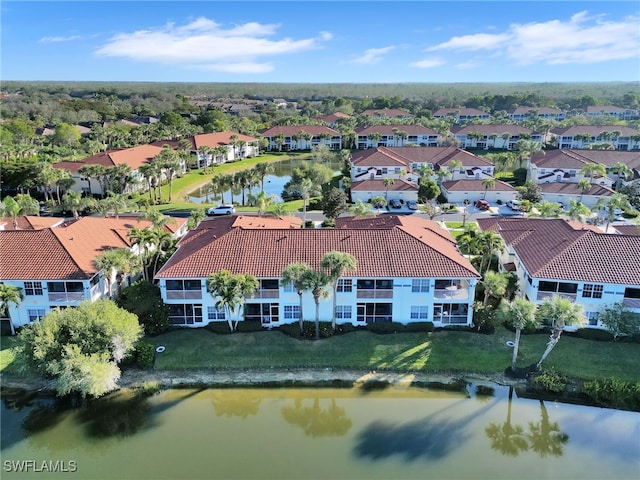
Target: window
269 284
343 311
591 290
592 317
288 287
367 284
181 314
292 312
215 313
33 288
345 285
420 285
419 312
184 285
36 314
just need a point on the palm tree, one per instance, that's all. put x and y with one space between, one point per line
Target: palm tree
548 209
74 202
592 169
495 285
488 183
262 201
527 149
617 201
622 171
168 159
488 242
336 263
577 211
387 183
379 202
584 185
12 209
143 238
263 169
306 188
316 282
361 209
293 274
560 311
116 262
9 294
545 437
230 290
520 314
97 172
506 438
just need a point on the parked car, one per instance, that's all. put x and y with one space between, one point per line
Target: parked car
412 205
395 203
513 204
221 210
481 204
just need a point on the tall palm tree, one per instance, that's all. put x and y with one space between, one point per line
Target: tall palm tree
97 172
488 242
592 169
230 290
142 238
520 314
316 282
293 274
560 312
336 263
12 209
526 150
9 294
488 183
306 189
617 201
584 185
388 182
495 285
115 263
74 202
622 171
263 169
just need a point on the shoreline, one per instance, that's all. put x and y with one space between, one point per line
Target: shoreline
275 378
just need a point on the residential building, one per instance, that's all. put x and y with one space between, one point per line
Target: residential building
332 118
408 270
468 191
483 137
572 260
387 113
585 136
520 114
401 190
395 136
221 147
619 113
462 114
405 162
55 266
301 137
562 192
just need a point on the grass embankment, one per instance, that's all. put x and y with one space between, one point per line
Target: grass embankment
440 352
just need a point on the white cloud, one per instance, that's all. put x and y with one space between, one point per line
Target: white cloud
372 55
581 39
468 65
59 39
428 63
206 44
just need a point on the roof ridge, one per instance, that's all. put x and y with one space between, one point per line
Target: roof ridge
55 231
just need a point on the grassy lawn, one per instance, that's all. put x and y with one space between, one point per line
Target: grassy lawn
448 352
454 225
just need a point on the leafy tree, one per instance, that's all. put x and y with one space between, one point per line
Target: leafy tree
9 294
66 135
428 189
144 300
519 314
559 311
619 320
196 216
530 191
334 203
294 274
361 209
316 282
336 263
495 285
81 347
230 290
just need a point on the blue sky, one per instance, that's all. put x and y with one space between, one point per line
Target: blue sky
319 42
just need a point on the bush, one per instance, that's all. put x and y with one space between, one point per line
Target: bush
142 355
309 224
329 223
551 381
595 334
308 330
220 328
143 298
419 327
614 392
485 318
249 327
385 327
314 204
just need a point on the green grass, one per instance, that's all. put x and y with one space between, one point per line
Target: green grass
454 225
449 352
9 363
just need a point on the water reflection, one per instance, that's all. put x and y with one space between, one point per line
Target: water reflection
545 437
235 403
316 421
506 438
432 438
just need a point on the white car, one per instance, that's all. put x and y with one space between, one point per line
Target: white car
221 210
513 204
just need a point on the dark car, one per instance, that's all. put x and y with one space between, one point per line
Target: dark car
481 204
394 203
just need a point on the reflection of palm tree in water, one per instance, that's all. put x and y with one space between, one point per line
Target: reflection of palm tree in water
241 404
318 422
545 438
431 438
506 438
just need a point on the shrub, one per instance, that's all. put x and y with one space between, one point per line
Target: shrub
220 328
309 224
329 223
385 327
614 392
419 327
308 330
143 298
142 355
551 381
249 327
594 334
149 388
485 318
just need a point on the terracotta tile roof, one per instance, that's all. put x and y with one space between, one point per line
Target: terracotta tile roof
604 108
567 188
557 249
217 139
405 156
63 252
410 249
491 129
389 130
134 157
593 130
459 111
628 229
29 222
577 158
539 110
476 186
399 185
332 117
290 130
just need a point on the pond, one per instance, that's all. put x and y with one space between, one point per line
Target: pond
273 183
329 433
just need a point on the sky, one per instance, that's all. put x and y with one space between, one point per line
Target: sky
321 41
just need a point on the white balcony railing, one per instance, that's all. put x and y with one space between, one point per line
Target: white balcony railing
543 295
66 296
451 294
631 302
184 294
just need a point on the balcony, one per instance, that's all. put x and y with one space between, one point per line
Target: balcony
266 293
631 302
374 294
66 296
451 293
544 295
184 294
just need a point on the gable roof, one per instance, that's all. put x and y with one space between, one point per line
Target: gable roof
290 130
570 188
471 185
593 130
387 112
266 252
134 157
405 156
563 250
399 185
217 139
389 130
486 129
332 117
30 222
